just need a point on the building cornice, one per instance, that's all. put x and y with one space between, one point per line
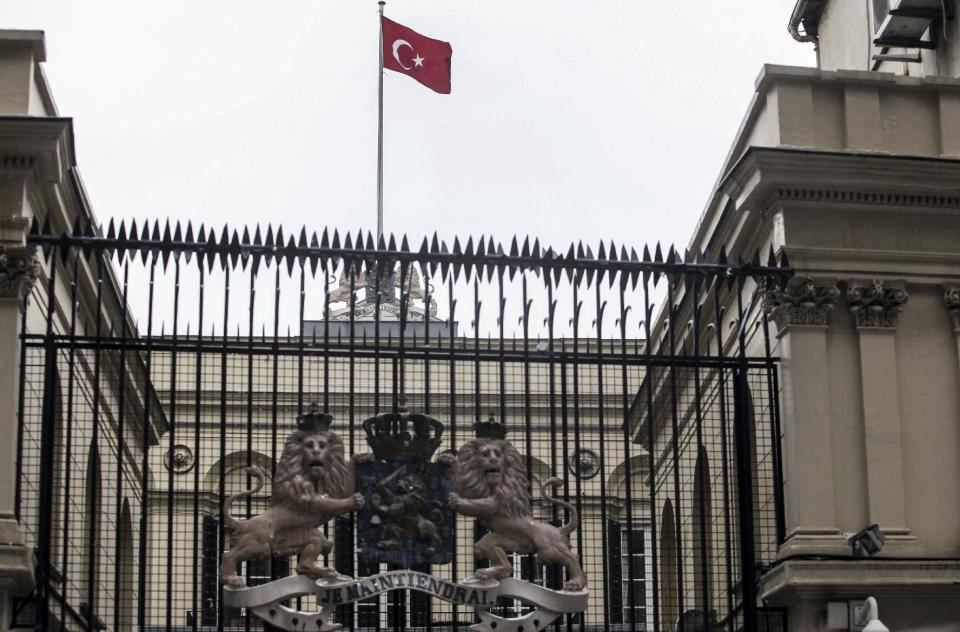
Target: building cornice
41 145
764 174
794 580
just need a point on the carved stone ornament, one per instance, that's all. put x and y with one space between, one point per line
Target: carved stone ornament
180 459
802 302
19 270
314 483
875 304
951 296
490 483
406 518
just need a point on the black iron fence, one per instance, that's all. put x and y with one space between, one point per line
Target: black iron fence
156 360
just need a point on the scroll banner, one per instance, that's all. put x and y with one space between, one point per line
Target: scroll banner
265 600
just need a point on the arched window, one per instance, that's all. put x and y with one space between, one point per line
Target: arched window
701 529
669 611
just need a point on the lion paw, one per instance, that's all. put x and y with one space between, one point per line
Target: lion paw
575 585
454 501
316 572
358 501
233 581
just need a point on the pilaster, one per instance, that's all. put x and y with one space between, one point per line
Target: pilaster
19 270
801 311
875 306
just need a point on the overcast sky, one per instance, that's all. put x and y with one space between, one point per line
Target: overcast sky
567 120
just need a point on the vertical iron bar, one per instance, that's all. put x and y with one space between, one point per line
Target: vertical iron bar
198 386
675 430
627 459
47 455
223 437
351 269
650 377
171 436
600 307
145 464
741 416
425 275
400 389
477 412
577 305
121 404
251 302
527 403
565 447
501 361
68 440
451 323
700 472
724 450
378 271
556 582
275 395
93 546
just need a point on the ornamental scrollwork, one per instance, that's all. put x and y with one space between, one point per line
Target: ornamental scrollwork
951 296
802 302
19 269
875 303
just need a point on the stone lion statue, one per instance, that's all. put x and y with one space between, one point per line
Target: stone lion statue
314 483
490 483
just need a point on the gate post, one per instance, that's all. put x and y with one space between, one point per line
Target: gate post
748 554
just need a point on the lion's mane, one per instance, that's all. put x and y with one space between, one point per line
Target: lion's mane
513 499
295 481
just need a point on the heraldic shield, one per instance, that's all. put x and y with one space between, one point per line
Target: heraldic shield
406 519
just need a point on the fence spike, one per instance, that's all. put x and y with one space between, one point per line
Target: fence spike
370 245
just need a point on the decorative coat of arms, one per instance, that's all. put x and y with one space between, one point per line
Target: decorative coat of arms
406 518
405 504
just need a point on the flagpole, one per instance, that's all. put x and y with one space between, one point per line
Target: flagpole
380 135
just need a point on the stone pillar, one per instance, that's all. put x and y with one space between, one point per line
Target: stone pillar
801 311
875 306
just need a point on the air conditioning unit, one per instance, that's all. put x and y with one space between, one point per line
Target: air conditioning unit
903 23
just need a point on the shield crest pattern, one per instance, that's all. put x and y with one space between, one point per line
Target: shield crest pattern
406 519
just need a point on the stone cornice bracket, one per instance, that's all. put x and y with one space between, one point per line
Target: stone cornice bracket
803 301
951 296
875 303
19 270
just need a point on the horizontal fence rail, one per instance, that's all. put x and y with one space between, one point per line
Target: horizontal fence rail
158 362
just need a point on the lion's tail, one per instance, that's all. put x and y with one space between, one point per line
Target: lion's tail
568 528
228 520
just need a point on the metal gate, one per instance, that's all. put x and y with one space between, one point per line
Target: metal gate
156 359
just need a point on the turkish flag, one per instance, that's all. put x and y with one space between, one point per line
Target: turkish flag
426 60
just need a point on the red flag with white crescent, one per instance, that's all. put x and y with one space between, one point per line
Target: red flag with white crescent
426 60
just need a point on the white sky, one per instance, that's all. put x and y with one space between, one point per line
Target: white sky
568 120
